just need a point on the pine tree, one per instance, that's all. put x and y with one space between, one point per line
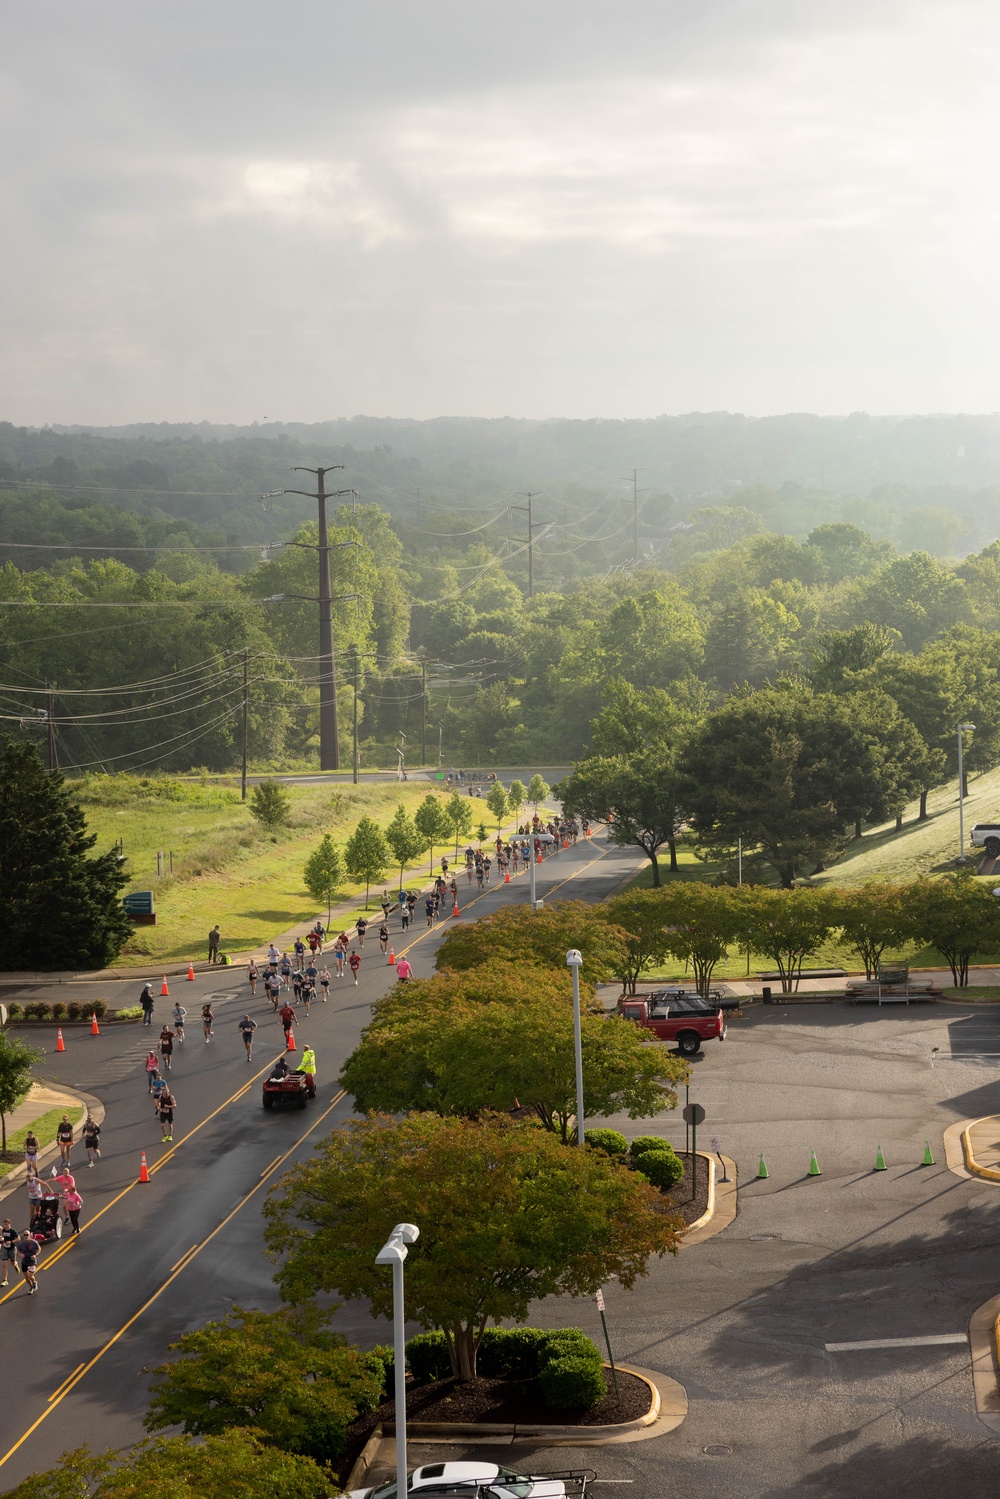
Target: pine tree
58 908
405 839
323 873
367 854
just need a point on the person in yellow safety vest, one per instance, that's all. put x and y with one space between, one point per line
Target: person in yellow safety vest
308 1066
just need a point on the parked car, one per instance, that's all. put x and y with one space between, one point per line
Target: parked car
986 835
476 1480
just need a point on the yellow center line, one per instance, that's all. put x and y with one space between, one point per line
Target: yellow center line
78 1374
272 1164
65 1382
182 1258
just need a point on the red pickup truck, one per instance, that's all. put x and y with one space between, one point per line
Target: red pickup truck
686 1030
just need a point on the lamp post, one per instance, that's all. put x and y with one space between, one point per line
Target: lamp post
394 1252
536 838
575 961
961 794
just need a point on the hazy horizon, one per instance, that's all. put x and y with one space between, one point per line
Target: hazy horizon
578 211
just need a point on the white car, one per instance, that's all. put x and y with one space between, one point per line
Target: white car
477 1481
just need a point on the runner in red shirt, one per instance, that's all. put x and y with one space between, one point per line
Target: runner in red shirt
287 1015
355 962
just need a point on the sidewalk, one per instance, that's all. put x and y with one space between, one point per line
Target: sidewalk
40 1100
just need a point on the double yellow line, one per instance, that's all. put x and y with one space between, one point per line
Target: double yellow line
72 1380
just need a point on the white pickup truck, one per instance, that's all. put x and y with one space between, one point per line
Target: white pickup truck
986 835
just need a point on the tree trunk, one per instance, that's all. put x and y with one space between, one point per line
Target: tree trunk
787 874
965 783
656 871
899 822
3 1132
922 815
672 845
857 829
463 1346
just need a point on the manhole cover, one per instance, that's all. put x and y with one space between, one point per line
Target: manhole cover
763 1238
717 1450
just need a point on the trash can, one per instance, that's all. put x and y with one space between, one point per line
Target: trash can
765 995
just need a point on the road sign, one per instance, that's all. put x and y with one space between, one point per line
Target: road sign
694 1113
138 903
599 1298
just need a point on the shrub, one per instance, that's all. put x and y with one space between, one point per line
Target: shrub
574 1383
36 1010
610 1141
383 1357
568 1342
646 1142
73 1011
270 804
662 1168
427 1356
14 1010
99 1007
130 1012
58 1010
511 1352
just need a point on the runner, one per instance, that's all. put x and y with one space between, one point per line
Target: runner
146 1000
73 1203
324 982
286 972
300 954
27 1249
167 1048
355 962
429 908
273 986
313 940
308 995
312 974
411 903
383 938
246 1029
386 905
298 980
470 859
152 1068
63 1183
403 970
207 1020
165 1105
92 1139
401 901
31 1151
404 917
273 958
64 1138
338 960
178 1019
8 1239
159 1086
361 926
479 874
253 974
287 1016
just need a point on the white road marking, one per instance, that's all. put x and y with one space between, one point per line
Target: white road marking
934 1340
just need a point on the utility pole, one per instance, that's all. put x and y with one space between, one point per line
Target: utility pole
329 740
354 777
423 713
533 526
52 731
246 685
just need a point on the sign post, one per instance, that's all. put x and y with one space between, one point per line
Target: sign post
725 1175
599 1298
694 1115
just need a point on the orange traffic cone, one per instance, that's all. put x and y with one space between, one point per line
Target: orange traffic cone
565 843
163 986
190 977
291 1041
95 1029
143 1169
506 876
538 857
60 1043
455 912
392 958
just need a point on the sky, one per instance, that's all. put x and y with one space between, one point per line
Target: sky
229 210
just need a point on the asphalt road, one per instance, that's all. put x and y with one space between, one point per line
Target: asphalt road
157 1260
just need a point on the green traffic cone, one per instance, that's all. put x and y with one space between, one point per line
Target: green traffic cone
928 1158
879 1160
814 1166
762 1168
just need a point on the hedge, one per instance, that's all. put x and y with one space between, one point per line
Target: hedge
522 1353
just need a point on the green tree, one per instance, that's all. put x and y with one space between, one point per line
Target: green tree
405 839
915 595
958 917
270 804
784 925
459 814
702 922
640 796
16 1062
367 854
538 790
498 802
48 885
872 917
433 823
518 934
517 796
482 833
507 1216
640 913
234 1465
323 872
284 1373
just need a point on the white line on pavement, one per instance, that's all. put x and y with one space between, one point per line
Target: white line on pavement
934 1340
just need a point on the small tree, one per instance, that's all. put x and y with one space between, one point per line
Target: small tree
270 804
874 916
956 916
538 790
507 1216
482 832
433 823
323 873
516 934
640 913
702 922
367 854
16 1062
786 925
498 802
517 796
405 839
459 814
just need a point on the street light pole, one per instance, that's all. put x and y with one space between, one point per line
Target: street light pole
536 838
961 795
394 1252
575 961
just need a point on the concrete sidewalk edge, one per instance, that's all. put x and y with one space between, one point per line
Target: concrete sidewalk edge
722 1204
983 1348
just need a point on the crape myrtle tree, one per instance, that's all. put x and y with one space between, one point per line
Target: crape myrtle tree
433 823
958 917
784 925
874 916
459 814
516 934
640 914
366 854
507 1216
405 839
498 802
517 796
702 923
538 790
323 872
48 884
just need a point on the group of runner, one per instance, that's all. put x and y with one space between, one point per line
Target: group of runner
19 1248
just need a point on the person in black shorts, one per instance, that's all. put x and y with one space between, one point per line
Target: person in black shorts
165 1105
246 1029
361 926
27 1253
92 1139
8 1238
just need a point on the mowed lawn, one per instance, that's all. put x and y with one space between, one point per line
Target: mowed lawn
228 869
881 853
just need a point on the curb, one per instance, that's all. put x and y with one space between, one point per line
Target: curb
722 1204
987 1173
983 1346
87 1104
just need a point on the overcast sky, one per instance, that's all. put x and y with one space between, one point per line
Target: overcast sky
232 210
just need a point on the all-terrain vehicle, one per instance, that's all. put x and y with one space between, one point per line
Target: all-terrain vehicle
284 1089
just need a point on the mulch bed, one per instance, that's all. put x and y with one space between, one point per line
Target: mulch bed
689 1204
501 1400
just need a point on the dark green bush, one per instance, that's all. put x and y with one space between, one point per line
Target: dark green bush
37 1010
663 1168
58 1010
573 1383
511 1352
427 1356
646 1142
99 1007
73 1011
383 1357
568 1342
14 1010
610 1141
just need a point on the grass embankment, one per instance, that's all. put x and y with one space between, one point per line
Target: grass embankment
226 868
881 853
44 1126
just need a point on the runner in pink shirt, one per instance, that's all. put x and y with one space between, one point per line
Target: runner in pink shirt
403 970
